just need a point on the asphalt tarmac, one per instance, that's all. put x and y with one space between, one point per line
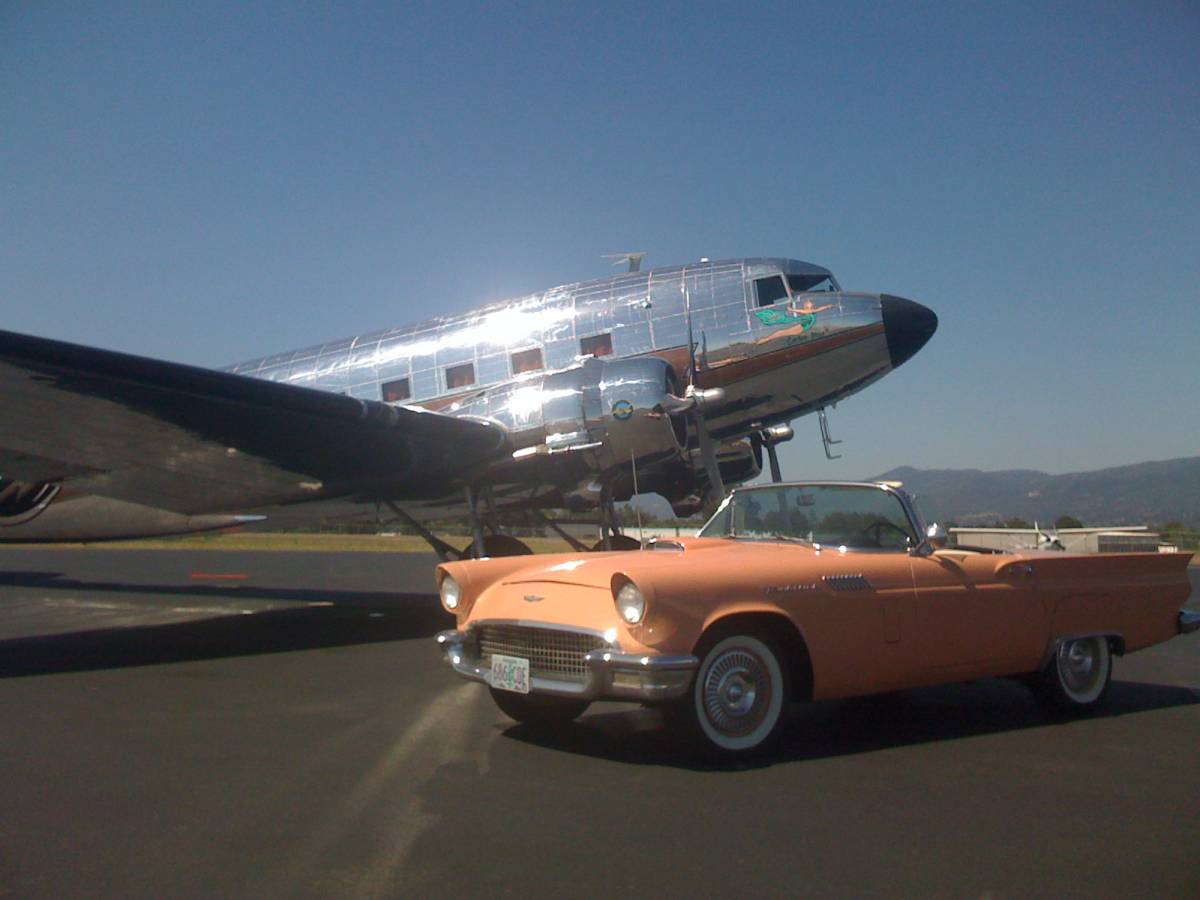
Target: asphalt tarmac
280 724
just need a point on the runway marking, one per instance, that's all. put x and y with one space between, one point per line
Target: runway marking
445 722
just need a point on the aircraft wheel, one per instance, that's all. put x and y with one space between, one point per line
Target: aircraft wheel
738 698
498 545
1077 678
537 709
618 542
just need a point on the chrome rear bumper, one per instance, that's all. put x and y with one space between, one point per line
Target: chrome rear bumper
611 674
1189 621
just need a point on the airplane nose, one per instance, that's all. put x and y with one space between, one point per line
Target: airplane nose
908 326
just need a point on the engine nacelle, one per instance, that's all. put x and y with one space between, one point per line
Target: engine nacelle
609 413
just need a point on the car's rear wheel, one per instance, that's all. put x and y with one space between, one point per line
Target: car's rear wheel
538 708
737 698
1077 677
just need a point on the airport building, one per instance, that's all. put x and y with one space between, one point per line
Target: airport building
1117 539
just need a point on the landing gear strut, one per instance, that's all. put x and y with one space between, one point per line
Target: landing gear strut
771 438
610 529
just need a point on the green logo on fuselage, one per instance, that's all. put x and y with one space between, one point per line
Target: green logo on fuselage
774 318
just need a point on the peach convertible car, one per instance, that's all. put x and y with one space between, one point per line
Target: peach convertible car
799 592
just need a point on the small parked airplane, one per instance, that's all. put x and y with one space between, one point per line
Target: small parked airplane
669 380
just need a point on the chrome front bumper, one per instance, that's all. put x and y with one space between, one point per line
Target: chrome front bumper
611 674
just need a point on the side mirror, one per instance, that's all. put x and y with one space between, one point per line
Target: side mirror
935 539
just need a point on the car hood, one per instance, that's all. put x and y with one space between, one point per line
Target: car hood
597 569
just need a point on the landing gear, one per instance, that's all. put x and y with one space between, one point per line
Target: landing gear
482 545
771 438
610 531
618 542
496 545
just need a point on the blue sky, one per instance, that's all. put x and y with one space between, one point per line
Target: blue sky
211 182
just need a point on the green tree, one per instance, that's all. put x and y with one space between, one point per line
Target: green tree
1017 522
1067 522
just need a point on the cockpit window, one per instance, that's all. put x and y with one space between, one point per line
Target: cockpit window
770 290
801 284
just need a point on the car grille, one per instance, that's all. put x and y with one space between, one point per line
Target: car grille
551 653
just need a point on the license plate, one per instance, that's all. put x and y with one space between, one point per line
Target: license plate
510 673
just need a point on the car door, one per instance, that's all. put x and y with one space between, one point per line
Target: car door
859 621
976 614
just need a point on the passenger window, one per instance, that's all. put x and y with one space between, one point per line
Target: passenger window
599 345
397 391
770 290
527 361
460 376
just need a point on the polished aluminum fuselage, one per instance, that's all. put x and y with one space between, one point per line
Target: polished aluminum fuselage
775 362
661 381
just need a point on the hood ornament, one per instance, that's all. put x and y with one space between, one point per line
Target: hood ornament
533 598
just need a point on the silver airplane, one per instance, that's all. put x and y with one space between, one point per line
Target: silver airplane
670 380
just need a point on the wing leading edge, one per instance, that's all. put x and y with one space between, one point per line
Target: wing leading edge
191 440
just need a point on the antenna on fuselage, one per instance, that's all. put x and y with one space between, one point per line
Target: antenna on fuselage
634 259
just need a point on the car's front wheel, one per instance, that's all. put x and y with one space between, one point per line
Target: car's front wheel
537 708
1077 677
738 696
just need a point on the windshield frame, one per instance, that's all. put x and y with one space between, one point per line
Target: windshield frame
907 503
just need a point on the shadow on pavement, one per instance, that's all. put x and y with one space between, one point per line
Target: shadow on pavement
354 618
848 727
238 590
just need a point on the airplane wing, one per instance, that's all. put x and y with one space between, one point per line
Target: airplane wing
193 440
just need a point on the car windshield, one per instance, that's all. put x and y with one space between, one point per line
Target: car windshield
854 517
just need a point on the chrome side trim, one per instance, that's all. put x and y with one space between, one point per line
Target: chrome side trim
1189 621
852 582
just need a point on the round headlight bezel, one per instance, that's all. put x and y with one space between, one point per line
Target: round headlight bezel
630 603
451 593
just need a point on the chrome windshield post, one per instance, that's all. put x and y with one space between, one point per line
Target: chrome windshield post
935 539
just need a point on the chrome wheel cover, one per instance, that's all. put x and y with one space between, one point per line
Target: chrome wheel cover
1083 668
736 692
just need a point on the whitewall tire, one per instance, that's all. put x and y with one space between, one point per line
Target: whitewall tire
738 697
1078 675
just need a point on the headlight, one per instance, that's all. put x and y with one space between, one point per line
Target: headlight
630 603
451 593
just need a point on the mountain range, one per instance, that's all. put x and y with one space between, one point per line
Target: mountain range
1145 493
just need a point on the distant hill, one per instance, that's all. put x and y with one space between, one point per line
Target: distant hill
1145 493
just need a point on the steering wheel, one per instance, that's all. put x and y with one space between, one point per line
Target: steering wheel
877 528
